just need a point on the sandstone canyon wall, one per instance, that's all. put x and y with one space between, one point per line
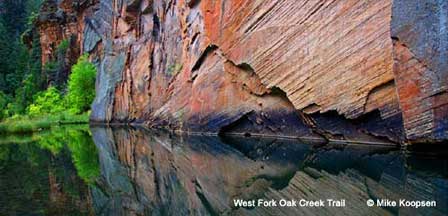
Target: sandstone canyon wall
372 71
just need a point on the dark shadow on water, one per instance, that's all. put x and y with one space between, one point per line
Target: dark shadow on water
137 171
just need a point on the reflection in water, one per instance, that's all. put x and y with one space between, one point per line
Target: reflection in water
123 171
41 174
155 173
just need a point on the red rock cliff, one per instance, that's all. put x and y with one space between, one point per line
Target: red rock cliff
340 69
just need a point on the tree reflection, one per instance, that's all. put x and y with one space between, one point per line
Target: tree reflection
84 155
47 172
79 142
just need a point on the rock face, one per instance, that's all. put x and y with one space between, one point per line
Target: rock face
345 69
420 33
59 22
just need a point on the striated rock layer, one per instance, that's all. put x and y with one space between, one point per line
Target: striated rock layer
373 71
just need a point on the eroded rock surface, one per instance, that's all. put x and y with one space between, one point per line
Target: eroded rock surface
419 29
350 70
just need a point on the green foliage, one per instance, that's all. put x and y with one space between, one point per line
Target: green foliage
50 69
22 75
26 124
19 87
52 140
6 59
47 102
174 69
63 46
4 100
14 15
31 18
33 6
13 53
23 96
81 86
84 155
82 148
27 164
20 125
20 69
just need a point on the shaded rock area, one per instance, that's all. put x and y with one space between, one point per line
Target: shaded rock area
59 23
419 29
146 172
370 71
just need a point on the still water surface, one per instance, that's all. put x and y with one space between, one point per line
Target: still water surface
128 171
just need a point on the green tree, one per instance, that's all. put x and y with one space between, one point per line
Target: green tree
20 68
32 8
6 66
4 100
81 86
13 54
14 16
32 81
49 101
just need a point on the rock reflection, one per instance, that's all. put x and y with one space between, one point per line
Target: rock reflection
154 173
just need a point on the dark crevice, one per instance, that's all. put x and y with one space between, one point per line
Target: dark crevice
369 127
309 121
133 6
267 122
229 128
279 92
193 3
246 67
210 48
373 124
194 38
156 27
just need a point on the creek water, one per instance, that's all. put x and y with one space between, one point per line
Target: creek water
79 170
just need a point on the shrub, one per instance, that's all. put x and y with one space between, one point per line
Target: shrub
47 102
81 86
